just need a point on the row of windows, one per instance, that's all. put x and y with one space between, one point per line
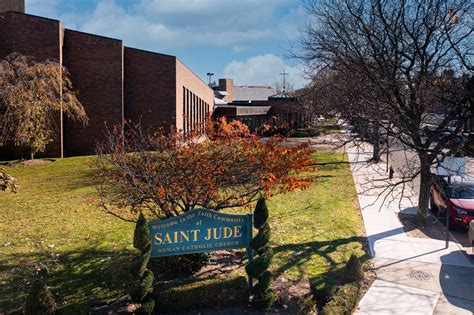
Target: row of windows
195 111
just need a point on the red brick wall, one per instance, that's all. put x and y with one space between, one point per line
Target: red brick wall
112 82
95 64
5 34
12 5
150 88
31 35
37 37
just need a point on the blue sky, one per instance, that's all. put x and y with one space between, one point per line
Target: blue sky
246 40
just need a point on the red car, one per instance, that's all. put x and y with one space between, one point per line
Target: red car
455 198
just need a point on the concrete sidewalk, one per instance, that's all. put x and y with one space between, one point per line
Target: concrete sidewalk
414 275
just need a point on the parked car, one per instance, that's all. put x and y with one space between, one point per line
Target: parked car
455 198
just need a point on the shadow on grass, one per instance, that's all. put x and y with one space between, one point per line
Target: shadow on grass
195 294
79 278
93 276
304 252
83 181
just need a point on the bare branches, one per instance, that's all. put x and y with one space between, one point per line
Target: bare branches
168 174
392 63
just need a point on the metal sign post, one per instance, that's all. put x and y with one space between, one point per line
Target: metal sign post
447 214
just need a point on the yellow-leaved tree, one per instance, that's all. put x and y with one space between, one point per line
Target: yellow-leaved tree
32 96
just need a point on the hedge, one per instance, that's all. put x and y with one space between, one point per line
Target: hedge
202 294
343 301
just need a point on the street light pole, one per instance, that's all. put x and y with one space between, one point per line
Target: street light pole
209 78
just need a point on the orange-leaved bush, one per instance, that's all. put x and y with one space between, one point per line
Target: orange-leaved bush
166 174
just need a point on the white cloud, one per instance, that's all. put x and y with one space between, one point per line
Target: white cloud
165 25
263 70
201 25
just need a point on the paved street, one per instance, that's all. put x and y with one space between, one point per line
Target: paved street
414 275
401 158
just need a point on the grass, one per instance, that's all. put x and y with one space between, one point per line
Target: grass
314 232
328 126
55 212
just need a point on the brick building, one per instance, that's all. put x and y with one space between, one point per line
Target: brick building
114 83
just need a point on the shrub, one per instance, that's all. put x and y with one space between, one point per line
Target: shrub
263 295
323 289
263 300
343 301
147 307
180 264
75 308
306 306
172 173
143 286
194 295
326 289
40 301
353 271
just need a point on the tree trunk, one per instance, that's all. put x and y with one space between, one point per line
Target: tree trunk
425 183
376 137
32 155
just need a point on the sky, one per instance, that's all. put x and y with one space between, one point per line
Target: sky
244 40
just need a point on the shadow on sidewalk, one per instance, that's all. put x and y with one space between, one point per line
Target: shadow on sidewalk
456 280
457 283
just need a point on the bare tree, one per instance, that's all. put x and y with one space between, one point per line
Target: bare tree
405 50
349 94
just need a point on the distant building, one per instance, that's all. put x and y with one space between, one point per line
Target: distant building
114 83
257 105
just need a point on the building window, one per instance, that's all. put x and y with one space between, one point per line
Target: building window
194 112
184 109
188 110
201 120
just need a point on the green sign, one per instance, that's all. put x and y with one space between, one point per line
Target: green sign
199 230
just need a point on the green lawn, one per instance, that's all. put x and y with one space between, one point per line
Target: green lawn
329 125
55 212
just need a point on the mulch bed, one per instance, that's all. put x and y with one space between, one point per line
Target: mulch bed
28 162
290 293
